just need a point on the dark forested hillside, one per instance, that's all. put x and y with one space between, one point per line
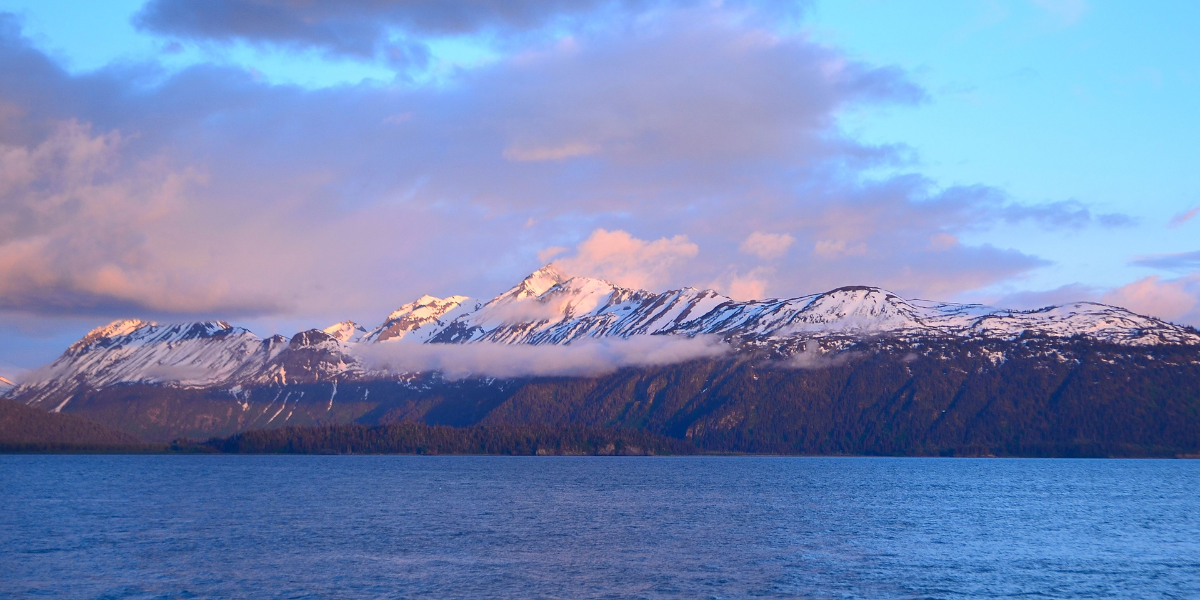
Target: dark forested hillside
419 438
25 428
1077 399
1029 397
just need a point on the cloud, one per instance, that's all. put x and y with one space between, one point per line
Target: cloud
1155 297
766 245
627 261
942 241
351 27
77 231
370 29
833 248
545 255
1183 217
540 153
530 310
751 286
582 358
1176 300
1067 214
813 357
208 191
1182 261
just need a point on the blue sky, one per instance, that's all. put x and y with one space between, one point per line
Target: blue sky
1017 152
1049 101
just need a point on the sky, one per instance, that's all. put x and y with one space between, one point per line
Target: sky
286 165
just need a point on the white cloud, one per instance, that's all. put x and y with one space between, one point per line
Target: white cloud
586 357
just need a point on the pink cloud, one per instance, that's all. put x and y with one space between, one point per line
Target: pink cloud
1183 217
942 241
216 193
545 255
80 230
525 153
1155 297
751 286
627 261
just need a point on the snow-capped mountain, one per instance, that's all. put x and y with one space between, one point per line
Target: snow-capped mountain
188 354
346 331
411 320
550 308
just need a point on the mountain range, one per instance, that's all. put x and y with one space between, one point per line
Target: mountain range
458 360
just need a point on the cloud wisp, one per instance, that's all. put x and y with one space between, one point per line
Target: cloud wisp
1180 261
1184 217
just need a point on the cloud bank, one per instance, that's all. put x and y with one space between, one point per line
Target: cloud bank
581 358
656 144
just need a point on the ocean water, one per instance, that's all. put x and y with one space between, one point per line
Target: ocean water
565 527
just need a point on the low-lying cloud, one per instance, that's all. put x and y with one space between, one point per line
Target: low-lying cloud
812 357
587 357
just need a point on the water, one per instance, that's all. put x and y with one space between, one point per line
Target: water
500 527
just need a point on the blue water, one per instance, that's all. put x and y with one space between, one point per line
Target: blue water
500 527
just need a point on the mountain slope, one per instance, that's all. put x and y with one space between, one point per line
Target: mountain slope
189 354
1034 397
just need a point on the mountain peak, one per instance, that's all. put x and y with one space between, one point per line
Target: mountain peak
346 331
117 328
425 306
414 315
852 289
536 284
